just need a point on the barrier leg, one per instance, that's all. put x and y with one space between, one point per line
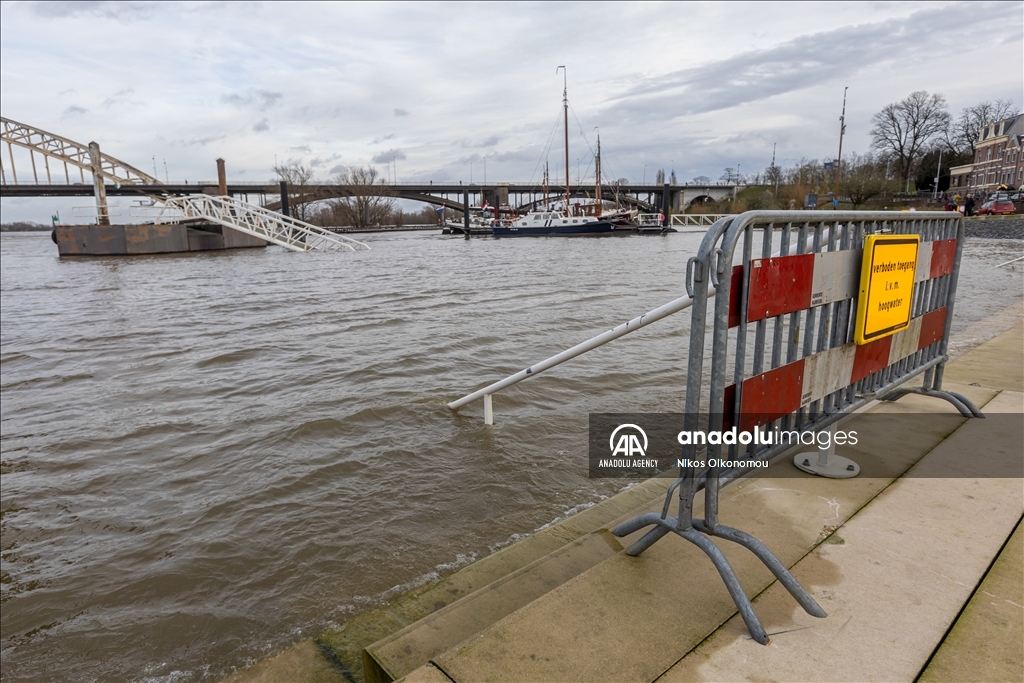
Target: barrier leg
966 401
959 401
685 484
825 462
739 598
648 539
768 558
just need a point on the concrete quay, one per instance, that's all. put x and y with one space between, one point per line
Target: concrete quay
920 573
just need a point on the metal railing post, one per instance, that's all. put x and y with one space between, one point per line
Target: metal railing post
488 410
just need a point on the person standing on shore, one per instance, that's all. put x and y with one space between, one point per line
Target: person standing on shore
969 206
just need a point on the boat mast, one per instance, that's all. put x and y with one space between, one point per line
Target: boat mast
565 110
597 172
546 188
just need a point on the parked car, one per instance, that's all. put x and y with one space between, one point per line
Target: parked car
998 206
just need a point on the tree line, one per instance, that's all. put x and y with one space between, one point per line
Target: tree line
369 203
908 138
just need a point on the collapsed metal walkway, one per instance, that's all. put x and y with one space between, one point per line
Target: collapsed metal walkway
254 220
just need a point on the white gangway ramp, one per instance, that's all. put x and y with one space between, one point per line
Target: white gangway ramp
256 221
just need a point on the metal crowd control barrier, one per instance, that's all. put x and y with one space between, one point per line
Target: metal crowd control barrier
783 327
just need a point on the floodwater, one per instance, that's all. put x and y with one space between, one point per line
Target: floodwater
208 457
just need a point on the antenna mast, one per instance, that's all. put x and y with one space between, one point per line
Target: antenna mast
565 110
597 173
839 160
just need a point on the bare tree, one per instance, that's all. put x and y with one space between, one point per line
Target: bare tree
964 132
701 180
369 201
299 178
773 175
862 178
906 129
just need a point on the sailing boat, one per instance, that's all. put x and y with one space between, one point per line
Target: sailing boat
557 223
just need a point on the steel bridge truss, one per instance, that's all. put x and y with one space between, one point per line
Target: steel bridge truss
69 152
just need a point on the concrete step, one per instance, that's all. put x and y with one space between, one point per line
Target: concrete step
346 643
413 646
987 641
634 618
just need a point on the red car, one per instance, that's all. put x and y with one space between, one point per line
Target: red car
995 207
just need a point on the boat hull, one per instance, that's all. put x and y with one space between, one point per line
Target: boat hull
592 228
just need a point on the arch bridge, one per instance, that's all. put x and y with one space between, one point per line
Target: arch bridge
108 175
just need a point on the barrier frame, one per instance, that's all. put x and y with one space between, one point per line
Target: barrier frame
834 236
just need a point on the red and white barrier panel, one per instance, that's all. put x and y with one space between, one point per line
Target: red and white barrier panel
789 387
787 284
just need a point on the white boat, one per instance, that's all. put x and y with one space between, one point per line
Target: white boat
555 223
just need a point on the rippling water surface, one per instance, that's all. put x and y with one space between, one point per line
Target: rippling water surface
206 457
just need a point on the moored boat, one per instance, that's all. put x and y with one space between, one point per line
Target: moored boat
554 223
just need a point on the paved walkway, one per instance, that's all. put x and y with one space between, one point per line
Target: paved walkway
892 562
920 572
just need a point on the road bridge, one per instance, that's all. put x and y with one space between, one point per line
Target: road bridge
521 197
100 175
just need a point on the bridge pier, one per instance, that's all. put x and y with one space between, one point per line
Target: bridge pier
99 188
284 199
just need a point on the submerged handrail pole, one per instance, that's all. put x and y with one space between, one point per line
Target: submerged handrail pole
657 314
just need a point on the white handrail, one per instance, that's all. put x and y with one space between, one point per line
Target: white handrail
633 325
256 221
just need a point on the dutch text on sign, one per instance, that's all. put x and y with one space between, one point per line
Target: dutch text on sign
886 286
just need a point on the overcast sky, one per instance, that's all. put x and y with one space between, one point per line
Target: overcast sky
440 87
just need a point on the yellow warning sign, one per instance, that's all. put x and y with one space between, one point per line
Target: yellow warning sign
886 286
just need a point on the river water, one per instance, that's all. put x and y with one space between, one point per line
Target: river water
207 457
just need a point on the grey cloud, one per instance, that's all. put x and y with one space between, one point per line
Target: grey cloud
261 99
337 169
401 112
320 162
261 126
300 148
487 142
387 156
520 155
118 98
125 11
380 140
202 142
73 110
797 64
